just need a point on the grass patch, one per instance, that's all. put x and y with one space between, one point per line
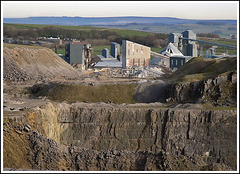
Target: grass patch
59 51
121 93
211 107
130 33
97 50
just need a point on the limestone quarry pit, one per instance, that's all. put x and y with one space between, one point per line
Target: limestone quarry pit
130 126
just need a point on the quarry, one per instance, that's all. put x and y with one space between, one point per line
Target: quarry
70 116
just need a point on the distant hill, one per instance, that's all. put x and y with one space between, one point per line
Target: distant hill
75 21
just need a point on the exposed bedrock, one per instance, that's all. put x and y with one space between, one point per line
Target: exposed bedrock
209 136
220 91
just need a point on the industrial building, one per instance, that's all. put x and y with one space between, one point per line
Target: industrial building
175 58
134 54
177 61
189 47
174 39
115 50
186 46
79 55
105 53
169 51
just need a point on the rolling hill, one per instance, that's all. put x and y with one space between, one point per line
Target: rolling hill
109 20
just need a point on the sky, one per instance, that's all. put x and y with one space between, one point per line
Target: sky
178 9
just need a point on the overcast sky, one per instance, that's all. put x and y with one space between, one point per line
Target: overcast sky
178 9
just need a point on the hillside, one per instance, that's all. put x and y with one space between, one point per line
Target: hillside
108 20
26 63
164 25
201 68
94 35
223 30
86 29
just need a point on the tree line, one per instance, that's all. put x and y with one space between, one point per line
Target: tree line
151 40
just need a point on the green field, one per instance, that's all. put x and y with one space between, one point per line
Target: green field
221 30
97 50
130 33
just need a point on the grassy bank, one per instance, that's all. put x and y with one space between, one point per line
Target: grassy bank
201 68
121 93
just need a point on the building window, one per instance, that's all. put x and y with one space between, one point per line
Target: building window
128 51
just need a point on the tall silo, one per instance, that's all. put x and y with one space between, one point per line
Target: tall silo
115 49
174 39
189 47
105 53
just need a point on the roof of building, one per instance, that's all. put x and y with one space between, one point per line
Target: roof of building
171 50
102 57
155 61
108 63
114 43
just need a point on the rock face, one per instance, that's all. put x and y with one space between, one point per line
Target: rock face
100 139
49 155
204 138
221 91
154 91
